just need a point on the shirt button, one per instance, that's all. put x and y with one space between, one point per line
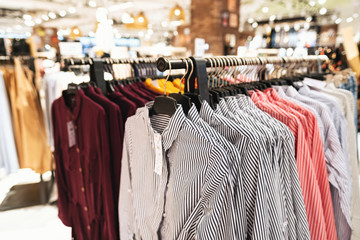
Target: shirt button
80 169
85 208
88 227
77 149
83 189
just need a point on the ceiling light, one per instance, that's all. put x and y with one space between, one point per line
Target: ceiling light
339 20
177 12
91 34
38 21
333 17
277 28
166 34
45 17
52 15
312 3
29 23
306 26
141 34
255 24
72 10
126 18
120 6
62 13
28 34
286 27
322 1
272 18
308 19
250 20
349 19
355 15
176 33
265 9
323 11
76 31
111 22
150 32
297 27
141 19
164 24
92 3
27 17
268 29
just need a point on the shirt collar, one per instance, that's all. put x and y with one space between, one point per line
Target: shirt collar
173 128
79 98
245 101
206 112
194 114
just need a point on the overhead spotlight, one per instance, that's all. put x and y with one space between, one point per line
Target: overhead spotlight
141 19
45 17
62 13
92 3
265 9
272 18
38 21
277 28
349 19
339 20
72 10
297 27
52 15
287 28
255 25
355 15
322 2
312 3
27 17
91 34
306 26
308 19
250 20
323 11
29 23
176 33
166 34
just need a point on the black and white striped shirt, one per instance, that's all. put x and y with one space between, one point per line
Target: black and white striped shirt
295 208
197 201
253 153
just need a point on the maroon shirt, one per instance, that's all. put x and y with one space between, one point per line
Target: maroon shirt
82 160
140 92
115 127
140 102
143 87
128 108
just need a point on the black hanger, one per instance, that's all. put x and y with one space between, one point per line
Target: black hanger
164 104
181 99
72 88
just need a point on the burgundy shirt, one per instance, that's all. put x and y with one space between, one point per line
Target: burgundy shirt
140 92
140 102
128 108
115 127
143 87
82 160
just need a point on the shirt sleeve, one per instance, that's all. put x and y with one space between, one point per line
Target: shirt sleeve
60 174
126 213
106 191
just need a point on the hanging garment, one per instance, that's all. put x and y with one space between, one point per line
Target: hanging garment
201 208
28 121
8 155
83 167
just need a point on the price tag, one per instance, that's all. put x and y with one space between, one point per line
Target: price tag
158 154
71 134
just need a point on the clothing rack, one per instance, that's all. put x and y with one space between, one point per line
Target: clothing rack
200 65
97 66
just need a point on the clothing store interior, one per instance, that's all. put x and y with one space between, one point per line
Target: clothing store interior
113 113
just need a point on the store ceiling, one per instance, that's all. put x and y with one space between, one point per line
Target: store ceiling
157 11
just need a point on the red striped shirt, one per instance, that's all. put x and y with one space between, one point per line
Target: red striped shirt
317 156
307 173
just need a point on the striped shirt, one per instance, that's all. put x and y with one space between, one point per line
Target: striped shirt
235 159
296 214
318 158
307 174
186 191
336 165
277 215
253 155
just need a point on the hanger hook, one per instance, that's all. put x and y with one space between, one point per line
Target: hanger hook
188 78
167 78
186 71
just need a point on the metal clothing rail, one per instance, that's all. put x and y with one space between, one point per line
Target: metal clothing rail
198 67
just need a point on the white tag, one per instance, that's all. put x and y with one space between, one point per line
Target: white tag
71 134
158 154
